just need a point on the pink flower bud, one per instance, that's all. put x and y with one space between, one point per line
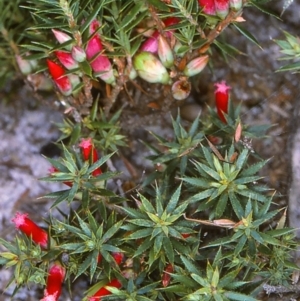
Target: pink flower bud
24 65
151 44
99 62
31 229
165 52
62 37
61 80
54 283
103 291
196 65
88 151
150 68
236 4
222 8
78 54
181 89
66 59
95 24
222 98
208 6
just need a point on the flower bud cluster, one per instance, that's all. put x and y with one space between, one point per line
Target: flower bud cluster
157 55
73 56
219 8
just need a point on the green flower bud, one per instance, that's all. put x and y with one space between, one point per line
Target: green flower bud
150 68
196 65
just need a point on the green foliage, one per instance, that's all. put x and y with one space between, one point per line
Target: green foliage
290 48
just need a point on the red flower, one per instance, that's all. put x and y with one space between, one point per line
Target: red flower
166 277
208 6
31 229
185 235
222 98
105 292
118 257
54 283
88 151
61 80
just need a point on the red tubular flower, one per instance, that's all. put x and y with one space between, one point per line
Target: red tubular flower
208 6
105 292
31 229
118 257
166 277
61 80
185 235
88 151
66 59
222 98
54 283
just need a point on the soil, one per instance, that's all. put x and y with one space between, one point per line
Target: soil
27 130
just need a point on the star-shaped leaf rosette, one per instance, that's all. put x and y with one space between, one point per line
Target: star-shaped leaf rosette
81 172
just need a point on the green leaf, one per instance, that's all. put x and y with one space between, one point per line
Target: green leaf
215 278
222 202
197 182
253 169
169 250
71 246
142 222
280 232
100 162
208 156
147 206
201 195
238 296
173 201
143 247
290 67
139 234
270 240
236 205
247 34
242 158
61 195
255 235
160 5
86 230
111 231
132 14
212 173
85 265
200 280
189 265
